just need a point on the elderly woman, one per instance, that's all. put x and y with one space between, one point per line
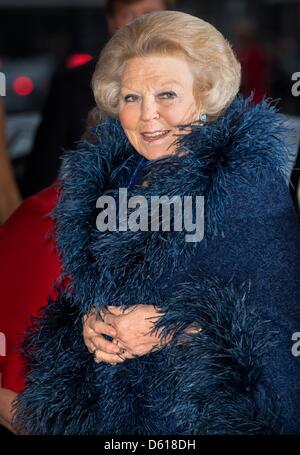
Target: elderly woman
192 334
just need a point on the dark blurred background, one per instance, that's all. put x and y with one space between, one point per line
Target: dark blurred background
38 38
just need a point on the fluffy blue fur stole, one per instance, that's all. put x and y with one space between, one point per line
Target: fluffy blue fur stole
209 383
106 268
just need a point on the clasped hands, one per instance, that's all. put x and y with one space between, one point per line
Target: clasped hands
131 331
129 328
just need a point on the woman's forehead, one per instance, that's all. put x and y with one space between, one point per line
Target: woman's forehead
162 70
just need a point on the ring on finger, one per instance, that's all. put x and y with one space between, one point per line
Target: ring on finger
121 350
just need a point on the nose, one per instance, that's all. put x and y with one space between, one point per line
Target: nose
149 110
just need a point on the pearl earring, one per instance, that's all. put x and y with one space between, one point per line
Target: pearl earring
203 117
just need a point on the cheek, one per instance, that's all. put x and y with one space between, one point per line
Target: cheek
128 116
173 115
180 113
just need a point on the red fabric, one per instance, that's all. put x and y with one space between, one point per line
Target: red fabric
255 72
28 268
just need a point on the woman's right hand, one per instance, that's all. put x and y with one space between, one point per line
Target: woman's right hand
102 349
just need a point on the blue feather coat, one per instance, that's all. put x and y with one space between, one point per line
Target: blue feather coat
240 284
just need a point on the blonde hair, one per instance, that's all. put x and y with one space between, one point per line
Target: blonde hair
216 69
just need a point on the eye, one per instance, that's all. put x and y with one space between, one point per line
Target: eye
131 98
167 95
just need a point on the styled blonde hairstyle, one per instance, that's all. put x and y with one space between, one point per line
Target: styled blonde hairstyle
216 70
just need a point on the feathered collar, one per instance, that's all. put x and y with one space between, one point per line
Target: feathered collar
114 267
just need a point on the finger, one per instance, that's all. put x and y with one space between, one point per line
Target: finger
105 345
154 318
91 321
120 345
87 335
101 356
125 352
192 330
126 355
117 311
119 342
101 327
109 320
90 347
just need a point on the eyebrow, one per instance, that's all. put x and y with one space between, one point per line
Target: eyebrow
170 82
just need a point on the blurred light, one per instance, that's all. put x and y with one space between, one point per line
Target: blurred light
23 86
75 60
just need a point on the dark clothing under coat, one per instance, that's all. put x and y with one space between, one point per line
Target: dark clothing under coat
63 122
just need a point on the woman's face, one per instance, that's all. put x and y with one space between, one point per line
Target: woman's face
156 96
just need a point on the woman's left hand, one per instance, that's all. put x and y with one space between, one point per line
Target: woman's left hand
133 326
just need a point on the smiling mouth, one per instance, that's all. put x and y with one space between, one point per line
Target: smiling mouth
155 135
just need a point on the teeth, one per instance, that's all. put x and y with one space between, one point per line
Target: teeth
159 133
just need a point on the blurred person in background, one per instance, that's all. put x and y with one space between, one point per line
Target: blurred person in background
254 60
9 193
70 99
9 201
269 73
24 284
24 239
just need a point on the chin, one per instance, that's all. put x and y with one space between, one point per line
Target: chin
157 155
